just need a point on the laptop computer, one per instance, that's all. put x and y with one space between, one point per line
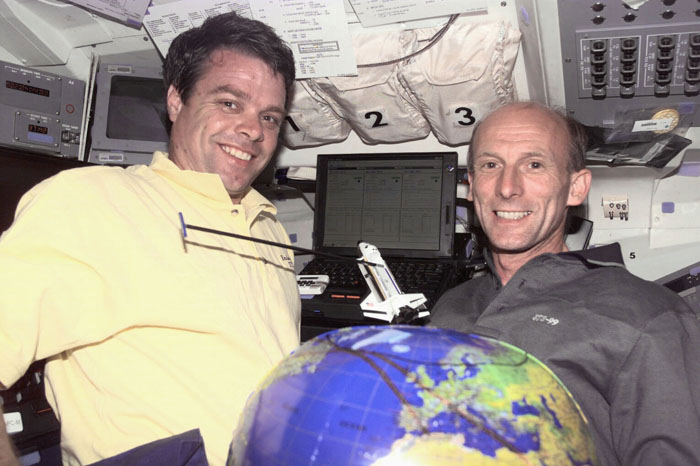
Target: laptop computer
403 203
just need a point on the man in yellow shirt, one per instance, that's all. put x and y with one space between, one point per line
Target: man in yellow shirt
148 335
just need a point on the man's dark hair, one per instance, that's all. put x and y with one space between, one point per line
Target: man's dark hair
576 136
190 51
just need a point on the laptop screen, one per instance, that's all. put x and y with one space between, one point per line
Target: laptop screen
403 203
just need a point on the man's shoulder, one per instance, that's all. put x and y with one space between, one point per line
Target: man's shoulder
615 276
86 175
85 188
611 286
100 177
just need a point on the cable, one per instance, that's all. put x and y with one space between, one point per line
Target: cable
433 40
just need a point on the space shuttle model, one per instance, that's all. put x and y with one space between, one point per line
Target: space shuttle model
386 301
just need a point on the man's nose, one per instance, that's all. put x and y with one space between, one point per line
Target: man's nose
509 183
251 128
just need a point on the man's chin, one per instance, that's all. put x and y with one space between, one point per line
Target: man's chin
237 190
526 246
511 245
237 184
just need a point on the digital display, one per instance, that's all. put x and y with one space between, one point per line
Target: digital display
38 129
394 203
27 88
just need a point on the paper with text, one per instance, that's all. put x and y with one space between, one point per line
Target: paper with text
377 12
316 31
126 11
165 22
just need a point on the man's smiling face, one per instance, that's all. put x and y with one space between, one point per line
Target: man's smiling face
520 184
230 122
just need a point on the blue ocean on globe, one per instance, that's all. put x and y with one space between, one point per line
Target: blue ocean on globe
408 395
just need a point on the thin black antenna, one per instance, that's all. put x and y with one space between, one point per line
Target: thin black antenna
185 226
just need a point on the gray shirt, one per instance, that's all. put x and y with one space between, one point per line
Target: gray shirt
627 349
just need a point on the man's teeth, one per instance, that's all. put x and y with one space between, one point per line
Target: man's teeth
513 215
236 153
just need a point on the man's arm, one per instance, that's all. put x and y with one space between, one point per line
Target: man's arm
7 453
655 405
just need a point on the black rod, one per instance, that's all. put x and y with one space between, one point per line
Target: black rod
270 243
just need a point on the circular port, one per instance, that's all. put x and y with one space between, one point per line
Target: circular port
668 14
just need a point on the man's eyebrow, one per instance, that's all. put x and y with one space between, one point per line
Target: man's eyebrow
275 109
485 154
532 153
225 88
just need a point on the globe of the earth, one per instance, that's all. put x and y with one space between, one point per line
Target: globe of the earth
406 395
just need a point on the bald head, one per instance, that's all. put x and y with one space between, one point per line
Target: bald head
569 128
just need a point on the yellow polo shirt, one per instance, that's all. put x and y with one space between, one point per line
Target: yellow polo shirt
147 335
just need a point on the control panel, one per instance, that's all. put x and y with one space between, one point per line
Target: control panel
615 57
29 420
661 65
39 111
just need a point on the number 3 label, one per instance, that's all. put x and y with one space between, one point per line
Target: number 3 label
464 116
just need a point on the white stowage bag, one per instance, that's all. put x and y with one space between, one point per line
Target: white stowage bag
464 76
374 102
311 121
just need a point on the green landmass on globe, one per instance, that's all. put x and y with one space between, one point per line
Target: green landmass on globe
406 395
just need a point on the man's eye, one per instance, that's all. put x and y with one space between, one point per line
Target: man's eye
272 120
229 104
535 165
489 165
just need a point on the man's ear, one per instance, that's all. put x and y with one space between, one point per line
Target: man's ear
174 103
579 186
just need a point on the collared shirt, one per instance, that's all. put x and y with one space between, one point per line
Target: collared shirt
627 349
147 334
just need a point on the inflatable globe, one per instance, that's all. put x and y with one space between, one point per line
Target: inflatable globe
409 396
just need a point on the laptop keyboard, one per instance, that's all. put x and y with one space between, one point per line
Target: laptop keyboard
427 277
343 275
